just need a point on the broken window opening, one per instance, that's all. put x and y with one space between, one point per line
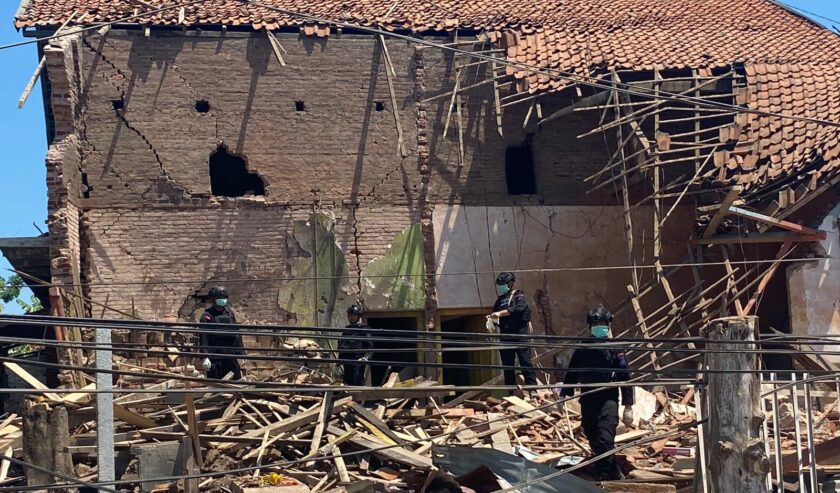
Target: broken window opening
300 106
380 105
229 176
519 170
118 104
202 106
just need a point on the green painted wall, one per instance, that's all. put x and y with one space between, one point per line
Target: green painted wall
319 301
403 259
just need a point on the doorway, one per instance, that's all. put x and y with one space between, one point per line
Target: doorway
404 354
454 353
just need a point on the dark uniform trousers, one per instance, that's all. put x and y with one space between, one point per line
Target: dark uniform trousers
509 356
354 343
599 418
222 344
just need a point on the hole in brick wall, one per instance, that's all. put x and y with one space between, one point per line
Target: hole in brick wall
85 187
519 170
202 106
229 175
379 105
118 104
300 106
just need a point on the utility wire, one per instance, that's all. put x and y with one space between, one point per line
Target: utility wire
441 274
468 346
408 336
799 9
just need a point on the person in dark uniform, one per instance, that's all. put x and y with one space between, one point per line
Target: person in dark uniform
219 313
513 316
355 344
599 409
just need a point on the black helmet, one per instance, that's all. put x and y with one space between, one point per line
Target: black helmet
599 314
355 310
217 292
505 278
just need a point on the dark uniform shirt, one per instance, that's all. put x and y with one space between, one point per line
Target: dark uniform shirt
608 365
226 343
355 341
520 313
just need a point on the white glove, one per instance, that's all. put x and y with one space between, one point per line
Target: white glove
490 325
627 418
363 358
206 365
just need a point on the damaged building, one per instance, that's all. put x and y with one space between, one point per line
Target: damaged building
641 154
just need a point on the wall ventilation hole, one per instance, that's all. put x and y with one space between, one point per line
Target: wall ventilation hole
380 105
202 106
300 106
229 175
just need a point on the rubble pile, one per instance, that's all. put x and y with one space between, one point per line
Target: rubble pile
411 436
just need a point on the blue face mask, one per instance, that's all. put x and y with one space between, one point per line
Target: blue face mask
600 331
221 302
503 289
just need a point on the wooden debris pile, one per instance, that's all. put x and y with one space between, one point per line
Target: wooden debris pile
246 439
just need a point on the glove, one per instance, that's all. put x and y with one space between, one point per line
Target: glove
363 358
627 418
490 325
206 365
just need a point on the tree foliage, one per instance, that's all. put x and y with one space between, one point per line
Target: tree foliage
10 290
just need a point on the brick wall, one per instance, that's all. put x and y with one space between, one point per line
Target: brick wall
137 162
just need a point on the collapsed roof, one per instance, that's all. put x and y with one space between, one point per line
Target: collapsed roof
791 63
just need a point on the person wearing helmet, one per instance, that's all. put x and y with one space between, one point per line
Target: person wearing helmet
218 316
355 344
513 316
599 408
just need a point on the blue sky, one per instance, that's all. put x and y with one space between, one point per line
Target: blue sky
23 194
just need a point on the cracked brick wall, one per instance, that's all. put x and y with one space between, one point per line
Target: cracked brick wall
152 237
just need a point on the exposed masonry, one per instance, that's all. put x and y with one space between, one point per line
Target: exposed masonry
149 216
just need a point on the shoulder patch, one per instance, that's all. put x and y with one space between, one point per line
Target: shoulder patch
206 317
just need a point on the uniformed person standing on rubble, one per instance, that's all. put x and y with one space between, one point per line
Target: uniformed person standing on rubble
599 408
225 343
513 316
355 344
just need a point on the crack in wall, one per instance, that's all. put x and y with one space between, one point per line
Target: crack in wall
356 253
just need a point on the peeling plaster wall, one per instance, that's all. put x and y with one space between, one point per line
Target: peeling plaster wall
492 239
814 287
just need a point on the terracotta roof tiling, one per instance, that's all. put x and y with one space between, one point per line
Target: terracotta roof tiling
564 34
792 64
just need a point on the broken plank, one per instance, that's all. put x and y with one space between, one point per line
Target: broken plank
397 454
375 422
32 381
133 418
296 421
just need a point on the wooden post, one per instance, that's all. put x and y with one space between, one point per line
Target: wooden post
734 449
46 435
